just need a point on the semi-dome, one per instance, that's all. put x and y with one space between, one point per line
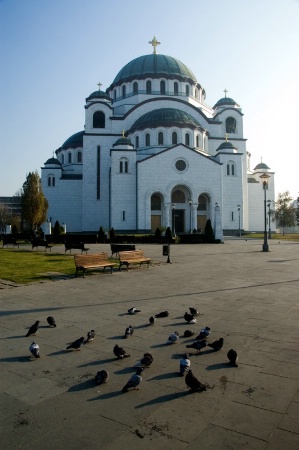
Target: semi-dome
123 141
98 95
54 161
226 101
154 66
261 166
228 146
75 141
165 117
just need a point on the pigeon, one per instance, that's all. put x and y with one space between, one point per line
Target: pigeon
134 381
184 365
129 331
188 333
102 376
233 357
193 383
90 336
193 311
173 338
217 345
198 345
152 320
189 318
51 321
162 314
34 349
120 352
76 344
33 329
133 310
203 334
146 361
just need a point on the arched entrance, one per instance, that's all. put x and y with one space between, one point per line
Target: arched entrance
202 211
156 208
180 205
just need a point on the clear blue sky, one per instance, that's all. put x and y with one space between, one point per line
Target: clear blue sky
54 52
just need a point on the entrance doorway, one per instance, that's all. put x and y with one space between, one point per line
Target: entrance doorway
179 221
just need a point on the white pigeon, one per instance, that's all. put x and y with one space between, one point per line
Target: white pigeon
184 365
173 338
34 350
133 310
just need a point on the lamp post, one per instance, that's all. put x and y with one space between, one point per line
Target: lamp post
264 178
269 218
239 209
190 204
173 219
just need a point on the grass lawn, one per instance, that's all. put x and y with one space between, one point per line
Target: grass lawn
277 236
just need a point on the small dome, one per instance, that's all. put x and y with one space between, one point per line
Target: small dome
154 66
98 95
75 141
226 146
123 141
226 101
165 117
261 166
53 161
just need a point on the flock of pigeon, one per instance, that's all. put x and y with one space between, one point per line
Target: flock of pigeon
200 342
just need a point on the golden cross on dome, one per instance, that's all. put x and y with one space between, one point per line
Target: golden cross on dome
225 92
99 84
123 132
154 43
226 137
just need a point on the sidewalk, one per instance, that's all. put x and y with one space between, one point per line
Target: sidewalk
248 297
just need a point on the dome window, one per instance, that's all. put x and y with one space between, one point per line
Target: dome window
147 140
135 87
148 87
160 138
162 87
230 125
137 141
79 157
62 159
69 158
124 91
187 139
187 90
98 119
176 88
174 138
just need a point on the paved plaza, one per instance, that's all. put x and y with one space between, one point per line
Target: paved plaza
248 297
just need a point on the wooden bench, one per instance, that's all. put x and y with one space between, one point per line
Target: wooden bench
116 248
9 239
132 257
75 246
37 242
95 261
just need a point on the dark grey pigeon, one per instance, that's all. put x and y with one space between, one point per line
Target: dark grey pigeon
152 320
188 333
129 331
233 357
197 345
193 383
205 332
51 321
134 381
102 376
217 345
33 329
120 352
193 311
90 336
76 345
162 314
189 318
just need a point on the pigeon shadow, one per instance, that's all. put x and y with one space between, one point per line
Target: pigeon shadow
16 337
117 337
106 396
163 399
59 352
125 370
178 356
207 351
16 359
219 366
97 363
178 324
165 376
159 345
88 384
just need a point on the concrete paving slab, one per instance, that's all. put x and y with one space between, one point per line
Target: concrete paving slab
290 421
282 438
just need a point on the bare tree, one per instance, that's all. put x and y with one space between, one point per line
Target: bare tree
284 212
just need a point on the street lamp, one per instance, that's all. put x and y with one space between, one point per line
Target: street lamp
190 204
239 208
264 178
269 215
173 219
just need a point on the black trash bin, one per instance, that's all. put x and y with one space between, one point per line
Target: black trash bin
165 250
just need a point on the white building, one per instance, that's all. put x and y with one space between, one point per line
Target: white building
154 154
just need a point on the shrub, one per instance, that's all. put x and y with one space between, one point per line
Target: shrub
209 233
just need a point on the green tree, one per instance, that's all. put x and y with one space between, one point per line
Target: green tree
284 212
297 211
58 229
33 202
112 234
209 233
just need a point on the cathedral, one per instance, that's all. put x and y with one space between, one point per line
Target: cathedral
154 154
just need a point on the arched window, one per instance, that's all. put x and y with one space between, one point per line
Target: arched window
79 157
196 93
98 119
62 159
70 158
176 88
174 138
137 142
230 125
187 90
202 203
148 87
51 181
114 94
123 165
178 196
162 87
227 169
187 139
124 91
156 202
197 140
135 87
230 168
147 140
160 138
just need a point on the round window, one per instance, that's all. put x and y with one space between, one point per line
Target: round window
180 165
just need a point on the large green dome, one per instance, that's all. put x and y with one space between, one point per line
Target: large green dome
165 117
75 141
154 66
